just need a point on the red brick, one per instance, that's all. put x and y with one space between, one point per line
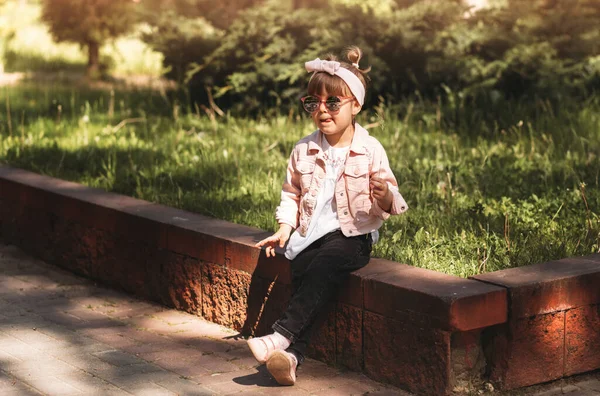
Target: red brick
527 351
191 243
272 305
75 247
181 282
241 256
411 357
273 268
125 264
349 338
224 295
322 340
468 360
257 297
549 287
439 300
582 340
352 292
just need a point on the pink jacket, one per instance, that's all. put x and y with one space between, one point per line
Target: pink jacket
358 212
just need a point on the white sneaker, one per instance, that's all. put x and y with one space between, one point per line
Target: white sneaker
263 347
282 366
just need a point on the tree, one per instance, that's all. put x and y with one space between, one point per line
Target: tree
89 23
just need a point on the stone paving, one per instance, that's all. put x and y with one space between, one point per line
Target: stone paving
61 334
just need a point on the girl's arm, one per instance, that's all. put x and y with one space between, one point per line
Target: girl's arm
288 210
387 199
279 238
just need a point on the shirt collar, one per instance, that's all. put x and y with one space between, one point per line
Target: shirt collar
358 140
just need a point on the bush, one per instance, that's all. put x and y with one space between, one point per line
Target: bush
429 49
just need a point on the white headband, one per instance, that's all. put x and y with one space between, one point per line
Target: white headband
334 68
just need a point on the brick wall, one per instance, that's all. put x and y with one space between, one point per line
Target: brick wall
421 330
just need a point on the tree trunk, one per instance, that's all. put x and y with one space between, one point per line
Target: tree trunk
93 66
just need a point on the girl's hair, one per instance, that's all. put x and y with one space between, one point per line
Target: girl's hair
334 85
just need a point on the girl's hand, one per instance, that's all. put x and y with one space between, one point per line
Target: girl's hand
382 193
279 238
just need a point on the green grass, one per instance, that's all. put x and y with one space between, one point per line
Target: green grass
490 186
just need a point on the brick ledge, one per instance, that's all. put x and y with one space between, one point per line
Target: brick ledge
210 267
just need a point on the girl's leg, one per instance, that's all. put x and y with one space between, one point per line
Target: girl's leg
318 275
263 347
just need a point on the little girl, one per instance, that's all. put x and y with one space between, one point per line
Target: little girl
338 190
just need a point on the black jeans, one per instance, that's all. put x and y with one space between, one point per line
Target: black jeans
317 273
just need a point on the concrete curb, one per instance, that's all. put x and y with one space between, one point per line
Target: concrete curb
418 329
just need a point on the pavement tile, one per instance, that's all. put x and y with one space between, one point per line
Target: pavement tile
65 319
285 391
173 354
65 335
88 363
557 390
31 320
593 384
186 361
146 348
340 387
184 386
113 338
143 336
75 349
311 384
90 384
118 358
22 392
47 305
129 310
143 384
17 348
9 383
206 345
174 317
53 386
570 388
389 392
316 369
31 337
8 359
39 367
130 370
14 312
244 380
184 368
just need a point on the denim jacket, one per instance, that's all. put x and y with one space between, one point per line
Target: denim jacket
358 212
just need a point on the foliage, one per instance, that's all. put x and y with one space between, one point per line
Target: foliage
27 46
89 23
505 183
434 48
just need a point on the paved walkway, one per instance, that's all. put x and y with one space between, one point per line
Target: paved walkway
64 335
61 334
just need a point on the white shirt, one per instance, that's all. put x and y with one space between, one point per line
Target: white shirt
325 218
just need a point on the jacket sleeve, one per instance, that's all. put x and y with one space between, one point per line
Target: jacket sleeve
381 168
288 210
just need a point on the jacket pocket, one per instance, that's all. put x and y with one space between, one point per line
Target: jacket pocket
306 170
362 208
357 177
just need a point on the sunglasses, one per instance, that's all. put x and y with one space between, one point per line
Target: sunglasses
312 103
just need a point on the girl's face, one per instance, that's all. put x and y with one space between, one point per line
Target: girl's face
335 122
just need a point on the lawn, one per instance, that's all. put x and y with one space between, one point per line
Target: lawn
491 185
